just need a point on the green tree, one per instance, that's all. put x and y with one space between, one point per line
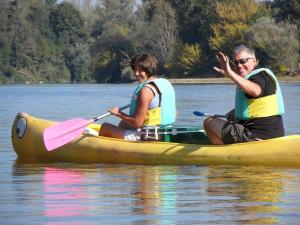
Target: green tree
277 49
68 24
112 37
7 35
233 18
28 46
287 10
156 31
190 58
88 10
77 60
69 27
194 19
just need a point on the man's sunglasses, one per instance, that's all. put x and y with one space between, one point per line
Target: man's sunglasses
241 61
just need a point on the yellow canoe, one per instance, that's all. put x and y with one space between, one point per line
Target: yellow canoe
27 140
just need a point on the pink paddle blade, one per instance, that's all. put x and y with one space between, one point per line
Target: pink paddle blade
62 133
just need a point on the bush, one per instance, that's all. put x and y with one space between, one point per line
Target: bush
190 58
277 42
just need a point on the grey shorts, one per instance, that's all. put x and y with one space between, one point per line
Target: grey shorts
236 133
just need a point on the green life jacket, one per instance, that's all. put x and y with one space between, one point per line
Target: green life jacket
266 106
163 115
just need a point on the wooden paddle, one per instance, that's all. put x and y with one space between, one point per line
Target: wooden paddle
197 113
64 132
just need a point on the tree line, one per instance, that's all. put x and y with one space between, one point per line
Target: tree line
77 41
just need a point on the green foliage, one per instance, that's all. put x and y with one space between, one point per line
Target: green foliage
67 23
190 58
233 19
75 41
114 37
287 10
280 49
77 60
106 67
194 19
156 32
27 48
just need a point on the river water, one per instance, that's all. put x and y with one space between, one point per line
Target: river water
68 193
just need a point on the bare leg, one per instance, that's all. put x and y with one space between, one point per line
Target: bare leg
213 128
109 130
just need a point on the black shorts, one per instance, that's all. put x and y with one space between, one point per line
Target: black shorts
236 133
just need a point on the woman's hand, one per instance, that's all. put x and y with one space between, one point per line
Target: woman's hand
115 111
224 66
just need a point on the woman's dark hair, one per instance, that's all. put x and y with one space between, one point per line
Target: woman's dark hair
145 61
132 61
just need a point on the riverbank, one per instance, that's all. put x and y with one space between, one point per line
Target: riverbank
294 79
200 80
221 80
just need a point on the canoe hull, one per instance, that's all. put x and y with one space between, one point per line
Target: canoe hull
283 152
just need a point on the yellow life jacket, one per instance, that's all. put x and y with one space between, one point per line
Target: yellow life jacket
165 113
266 106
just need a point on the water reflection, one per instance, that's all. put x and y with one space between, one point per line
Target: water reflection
132 194
147 193
155 191
60 193
151 189
64 192
253 193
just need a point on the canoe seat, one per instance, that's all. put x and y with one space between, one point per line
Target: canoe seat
185 134
178 134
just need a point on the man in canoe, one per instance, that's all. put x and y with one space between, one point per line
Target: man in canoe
258 102
152 103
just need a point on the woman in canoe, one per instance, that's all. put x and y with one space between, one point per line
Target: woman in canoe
152 103
258 102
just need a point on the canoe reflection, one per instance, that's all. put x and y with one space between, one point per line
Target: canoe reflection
136 194
155 191
63 192
252 193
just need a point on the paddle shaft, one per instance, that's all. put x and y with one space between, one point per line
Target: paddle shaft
209 115
109 113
